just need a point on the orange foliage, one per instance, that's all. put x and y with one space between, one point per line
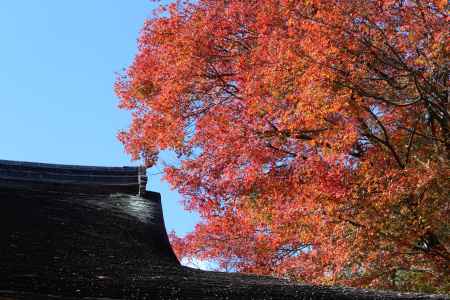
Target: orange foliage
313 136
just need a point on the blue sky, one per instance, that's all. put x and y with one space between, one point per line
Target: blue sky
58 63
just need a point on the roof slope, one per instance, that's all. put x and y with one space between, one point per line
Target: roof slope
70 232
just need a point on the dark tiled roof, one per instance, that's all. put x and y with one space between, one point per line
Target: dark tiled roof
72 232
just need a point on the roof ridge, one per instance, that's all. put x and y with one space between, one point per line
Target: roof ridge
29 164
67 178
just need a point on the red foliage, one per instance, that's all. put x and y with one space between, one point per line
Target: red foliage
313 136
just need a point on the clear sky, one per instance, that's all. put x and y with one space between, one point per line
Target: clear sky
58 63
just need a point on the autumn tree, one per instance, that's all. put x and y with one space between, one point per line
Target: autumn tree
313 136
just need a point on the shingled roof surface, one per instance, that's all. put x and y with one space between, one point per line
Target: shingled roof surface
77 232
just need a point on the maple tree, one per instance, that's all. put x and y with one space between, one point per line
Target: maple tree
313 136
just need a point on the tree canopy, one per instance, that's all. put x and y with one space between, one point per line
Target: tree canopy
312 135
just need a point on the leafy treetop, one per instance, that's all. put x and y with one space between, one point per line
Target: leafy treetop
313 136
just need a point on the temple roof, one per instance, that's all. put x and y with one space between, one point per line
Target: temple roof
74 232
